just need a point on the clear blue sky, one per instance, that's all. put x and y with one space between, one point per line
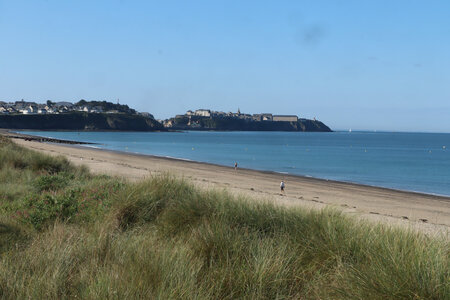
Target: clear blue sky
378 65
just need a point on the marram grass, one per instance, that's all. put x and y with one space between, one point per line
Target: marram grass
96 237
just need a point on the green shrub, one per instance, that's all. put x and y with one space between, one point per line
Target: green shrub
52 182
51 207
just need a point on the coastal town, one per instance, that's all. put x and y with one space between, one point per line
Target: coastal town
29 108
194 116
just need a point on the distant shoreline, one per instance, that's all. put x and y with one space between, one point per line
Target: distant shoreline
27 137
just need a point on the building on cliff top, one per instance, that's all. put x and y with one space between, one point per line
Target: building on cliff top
203 112
285 118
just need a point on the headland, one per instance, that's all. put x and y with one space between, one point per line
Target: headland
206 119
104 116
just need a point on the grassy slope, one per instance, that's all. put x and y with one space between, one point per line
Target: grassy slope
65 233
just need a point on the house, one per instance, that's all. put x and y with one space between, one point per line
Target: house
26 111
244 116
266 117
285 118
168 123
83 108
20 105
203 112
256 117
11 110
96 109
49 109
29 109
42 111
218 114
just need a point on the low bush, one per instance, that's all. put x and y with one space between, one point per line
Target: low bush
51 207
52 182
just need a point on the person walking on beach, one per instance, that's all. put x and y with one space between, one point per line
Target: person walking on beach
282 185
235 166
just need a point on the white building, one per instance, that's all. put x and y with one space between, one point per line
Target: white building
203 112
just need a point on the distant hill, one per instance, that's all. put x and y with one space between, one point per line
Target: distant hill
234 124
81 121
106 106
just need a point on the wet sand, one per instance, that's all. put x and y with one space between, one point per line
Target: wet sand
424 212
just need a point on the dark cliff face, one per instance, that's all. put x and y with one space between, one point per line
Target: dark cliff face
80 121
233 124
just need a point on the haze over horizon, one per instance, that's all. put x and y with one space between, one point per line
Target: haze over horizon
382 65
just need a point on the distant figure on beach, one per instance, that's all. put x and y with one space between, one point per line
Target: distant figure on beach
282 186
235 166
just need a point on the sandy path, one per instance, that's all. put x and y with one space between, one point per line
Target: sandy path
424 212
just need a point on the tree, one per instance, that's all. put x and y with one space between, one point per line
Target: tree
81 102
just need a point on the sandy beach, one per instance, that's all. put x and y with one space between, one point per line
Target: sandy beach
424 212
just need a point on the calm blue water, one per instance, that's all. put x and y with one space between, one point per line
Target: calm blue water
408 161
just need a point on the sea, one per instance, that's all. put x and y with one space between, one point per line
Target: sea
417 162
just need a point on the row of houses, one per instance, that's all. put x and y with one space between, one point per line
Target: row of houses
25 107
255 117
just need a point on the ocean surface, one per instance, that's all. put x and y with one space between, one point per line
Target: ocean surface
407 161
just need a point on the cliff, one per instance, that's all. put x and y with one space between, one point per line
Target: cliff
234 124
80 121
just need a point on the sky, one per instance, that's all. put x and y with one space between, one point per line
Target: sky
367 65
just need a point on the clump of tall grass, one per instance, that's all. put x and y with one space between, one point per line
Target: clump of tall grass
260 250
38 189
163 238
20 158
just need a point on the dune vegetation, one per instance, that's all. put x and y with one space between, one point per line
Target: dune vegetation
65 233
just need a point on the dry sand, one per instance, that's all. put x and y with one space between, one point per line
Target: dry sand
423 212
